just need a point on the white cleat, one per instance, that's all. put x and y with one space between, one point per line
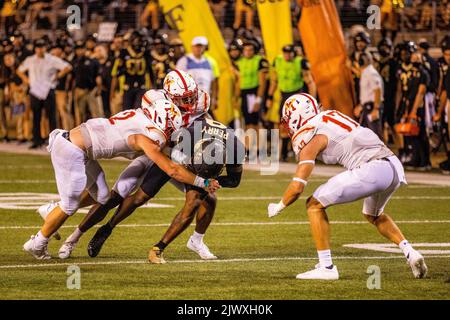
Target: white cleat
66 249
320 273
38 253
45 210
417 264
201 249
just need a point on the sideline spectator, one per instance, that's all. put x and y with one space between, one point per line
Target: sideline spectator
87 84
370 96
64 117
290 73
43 71
200 67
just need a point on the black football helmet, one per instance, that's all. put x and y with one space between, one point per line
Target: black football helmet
208 158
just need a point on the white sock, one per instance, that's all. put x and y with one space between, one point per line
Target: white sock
40 241
406 247
197 237
75 236
325 258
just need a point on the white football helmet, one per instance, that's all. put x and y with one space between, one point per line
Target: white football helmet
166 116
297 110
181 89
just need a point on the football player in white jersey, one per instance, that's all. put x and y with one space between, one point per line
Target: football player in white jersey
373 174
180 88
127 134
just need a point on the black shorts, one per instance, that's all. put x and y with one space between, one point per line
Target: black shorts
250 118
156 178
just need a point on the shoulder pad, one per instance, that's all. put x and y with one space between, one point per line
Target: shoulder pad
204 101
156 136
303 136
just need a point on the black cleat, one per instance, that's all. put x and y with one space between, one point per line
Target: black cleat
96 243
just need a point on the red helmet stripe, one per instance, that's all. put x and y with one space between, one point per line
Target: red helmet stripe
182 79
313 103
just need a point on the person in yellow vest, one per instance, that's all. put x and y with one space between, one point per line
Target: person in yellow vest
253 70
291 74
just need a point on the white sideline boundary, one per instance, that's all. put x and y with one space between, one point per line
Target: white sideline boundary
272 223
237 260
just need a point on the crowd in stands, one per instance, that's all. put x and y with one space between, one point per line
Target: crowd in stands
55 81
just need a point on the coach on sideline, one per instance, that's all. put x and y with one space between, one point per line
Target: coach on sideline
370 95
43 72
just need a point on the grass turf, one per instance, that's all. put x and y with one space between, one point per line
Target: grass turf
257 261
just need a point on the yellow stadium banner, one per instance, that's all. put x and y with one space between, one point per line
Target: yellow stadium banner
194 18
276 29
322 37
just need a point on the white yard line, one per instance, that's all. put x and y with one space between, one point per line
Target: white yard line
62 264
272 223
289 168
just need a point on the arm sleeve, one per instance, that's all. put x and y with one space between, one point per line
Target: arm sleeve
60 64
25 65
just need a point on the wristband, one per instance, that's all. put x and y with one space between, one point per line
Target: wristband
300 180
307 161
200 182
270 97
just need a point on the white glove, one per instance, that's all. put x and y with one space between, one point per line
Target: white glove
275 208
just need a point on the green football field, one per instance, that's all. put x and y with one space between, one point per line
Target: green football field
258 257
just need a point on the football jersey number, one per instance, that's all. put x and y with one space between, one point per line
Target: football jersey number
122 116
339 119
215 124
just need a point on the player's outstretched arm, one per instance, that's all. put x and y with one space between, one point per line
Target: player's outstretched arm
173 170
305 167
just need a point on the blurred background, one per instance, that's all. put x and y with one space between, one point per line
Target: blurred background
382 62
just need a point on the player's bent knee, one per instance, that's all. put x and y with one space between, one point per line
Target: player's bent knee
313 204
373 219
68 208
140 198
211 201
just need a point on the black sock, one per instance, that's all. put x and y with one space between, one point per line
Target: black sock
108 227
161 245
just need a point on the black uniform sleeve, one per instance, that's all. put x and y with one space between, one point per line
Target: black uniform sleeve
424 77
263 65
305 64
447 84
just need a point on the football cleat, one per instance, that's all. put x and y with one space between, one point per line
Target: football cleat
156 256
38 253
417 264
320 273
97 241
44 211
66 249
201 249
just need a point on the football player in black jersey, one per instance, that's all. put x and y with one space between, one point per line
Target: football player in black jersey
443 94
213 147
135 63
